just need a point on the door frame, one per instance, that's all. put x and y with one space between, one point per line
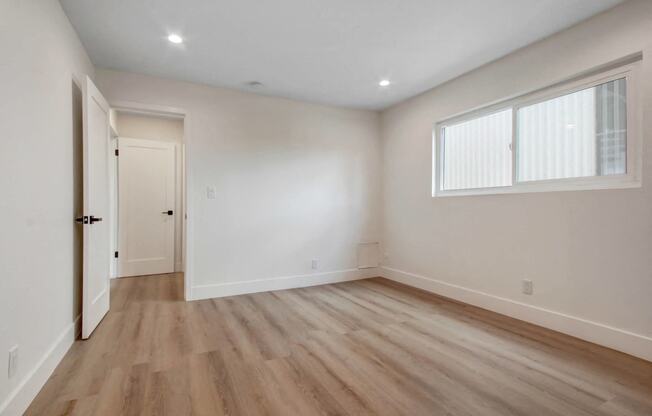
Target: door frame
179 113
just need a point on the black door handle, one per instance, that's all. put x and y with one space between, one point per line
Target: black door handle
82 220
170 212
95 219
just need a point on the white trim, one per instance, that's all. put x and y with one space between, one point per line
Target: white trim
280 283
629 69
21 397
133 107
554 185
102 293
113 202
628 342
188 224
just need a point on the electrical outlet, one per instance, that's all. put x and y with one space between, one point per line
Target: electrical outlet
315 264
528 287
210 192
13 361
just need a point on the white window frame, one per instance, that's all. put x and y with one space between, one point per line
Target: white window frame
632 177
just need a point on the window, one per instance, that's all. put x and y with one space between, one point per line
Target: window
476 152
575 135
580 135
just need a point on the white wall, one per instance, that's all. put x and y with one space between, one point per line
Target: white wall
40 171
589 253
294 182
138 126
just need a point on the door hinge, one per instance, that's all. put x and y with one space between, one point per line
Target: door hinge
117 152
115 254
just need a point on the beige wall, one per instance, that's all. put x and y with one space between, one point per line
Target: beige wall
40 182
589 253
137 126
296 182
293 181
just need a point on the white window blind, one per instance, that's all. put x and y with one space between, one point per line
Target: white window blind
575 135
476 152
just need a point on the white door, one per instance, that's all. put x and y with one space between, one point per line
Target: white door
97 236
146 201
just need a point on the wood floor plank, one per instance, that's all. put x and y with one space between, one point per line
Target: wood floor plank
369 347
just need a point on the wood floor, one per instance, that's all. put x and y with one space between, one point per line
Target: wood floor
369 347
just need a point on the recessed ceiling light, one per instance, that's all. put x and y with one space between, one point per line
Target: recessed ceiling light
174 38
384 83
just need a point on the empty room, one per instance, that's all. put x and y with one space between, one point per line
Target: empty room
300 207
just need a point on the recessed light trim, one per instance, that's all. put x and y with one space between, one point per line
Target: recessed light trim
174 38
384 83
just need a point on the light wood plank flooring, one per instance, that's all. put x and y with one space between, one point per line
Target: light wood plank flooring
369 347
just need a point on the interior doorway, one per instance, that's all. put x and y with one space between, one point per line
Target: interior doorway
149 193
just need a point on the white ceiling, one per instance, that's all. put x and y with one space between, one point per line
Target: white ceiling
326 51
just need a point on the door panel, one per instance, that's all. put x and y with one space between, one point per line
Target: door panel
97 243
146 177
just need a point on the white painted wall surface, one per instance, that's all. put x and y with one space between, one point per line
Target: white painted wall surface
589 253
293 182
296 181
149 127
39 287
137 126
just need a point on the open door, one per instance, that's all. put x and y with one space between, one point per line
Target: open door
97 231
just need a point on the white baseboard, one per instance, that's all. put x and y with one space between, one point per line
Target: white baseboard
280 283
597 333
20 398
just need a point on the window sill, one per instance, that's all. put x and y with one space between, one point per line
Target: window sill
563 185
